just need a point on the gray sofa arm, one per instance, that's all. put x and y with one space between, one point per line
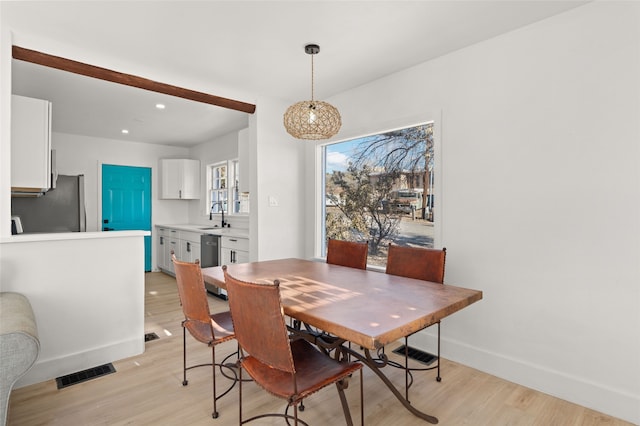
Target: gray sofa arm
19 344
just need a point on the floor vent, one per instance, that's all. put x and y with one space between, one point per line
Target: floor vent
150 336
83 376
417 354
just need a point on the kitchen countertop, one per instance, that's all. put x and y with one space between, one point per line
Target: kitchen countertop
59 236
204 229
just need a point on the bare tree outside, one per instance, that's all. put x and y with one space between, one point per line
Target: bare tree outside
380 189
358 207
402 154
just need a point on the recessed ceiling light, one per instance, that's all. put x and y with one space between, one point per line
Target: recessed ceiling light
160 106
125 131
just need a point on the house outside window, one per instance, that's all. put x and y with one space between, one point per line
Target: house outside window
380 189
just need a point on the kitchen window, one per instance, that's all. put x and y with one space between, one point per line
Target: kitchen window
222 188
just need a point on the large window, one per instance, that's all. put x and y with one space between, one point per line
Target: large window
222 188
380 189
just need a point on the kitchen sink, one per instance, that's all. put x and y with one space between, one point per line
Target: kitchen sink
217 230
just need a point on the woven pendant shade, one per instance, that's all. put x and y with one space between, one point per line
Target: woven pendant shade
312 119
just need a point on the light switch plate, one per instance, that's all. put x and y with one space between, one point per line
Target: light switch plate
273 201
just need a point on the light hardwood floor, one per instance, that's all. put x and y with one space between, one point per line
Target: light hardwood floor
147 389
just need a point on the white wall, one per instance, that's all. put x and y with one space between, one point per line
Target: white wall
540 198
277 194
89 310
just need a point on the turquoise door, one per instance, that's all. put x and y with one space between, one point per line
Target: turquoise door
126 202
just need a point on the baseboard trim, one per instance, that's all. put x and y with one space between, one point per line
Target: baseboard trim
595 396
49 369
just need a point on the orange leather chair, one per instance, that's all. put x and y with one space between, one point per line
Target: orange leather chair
422 264
347 253
289 369
202 325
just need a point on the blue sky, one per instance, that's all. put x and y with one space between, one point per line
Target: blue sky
336 160
338 154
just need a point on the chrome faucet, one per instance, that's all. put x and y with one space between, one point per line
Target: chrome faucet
223 224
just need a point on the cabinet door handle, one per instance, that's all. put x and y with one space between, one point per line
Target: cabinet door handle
161 241
180 193
233 256
188 247
233 239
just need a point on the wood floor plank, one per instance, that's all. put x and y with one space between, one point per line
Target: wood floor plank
147 389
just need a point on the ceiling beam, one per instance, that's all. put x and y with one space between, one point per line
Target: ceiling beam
75 67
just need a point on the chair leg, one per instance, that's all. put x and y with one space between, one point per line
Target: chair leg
438 378
239 390
343 400
213 372
406 368
361 399
184 357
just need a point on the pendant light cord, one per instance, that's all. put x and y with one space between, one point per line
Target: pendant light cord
312 77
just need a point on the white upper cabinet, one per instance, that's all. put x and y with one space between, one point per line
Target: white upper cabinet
30 144
180 179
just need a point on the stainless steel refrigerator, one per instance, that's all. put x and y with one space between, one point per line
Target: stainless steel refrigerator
61 209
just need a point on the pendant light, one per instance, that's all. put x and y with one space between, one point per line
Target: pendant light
312 119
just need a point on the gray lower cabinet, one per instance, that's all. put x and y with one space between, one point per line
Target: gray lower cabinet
187 247
168 240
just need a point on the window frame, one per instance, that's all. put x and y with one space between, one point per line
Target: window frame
231 191
435 118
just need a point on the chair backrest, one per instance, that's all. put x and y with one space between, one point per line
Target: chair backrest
416 262
193 295
347 253
259 323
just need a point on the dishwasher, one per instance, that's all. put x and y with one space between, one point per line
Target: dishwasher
210 256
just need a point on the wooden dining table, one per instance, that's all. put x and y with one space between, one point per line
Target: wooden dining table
367 308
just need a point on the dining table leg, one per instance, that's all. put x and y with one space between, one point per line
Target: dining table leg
328 344
376 365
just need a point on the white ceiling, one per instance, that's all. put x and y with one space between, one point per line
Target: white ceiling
236 49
